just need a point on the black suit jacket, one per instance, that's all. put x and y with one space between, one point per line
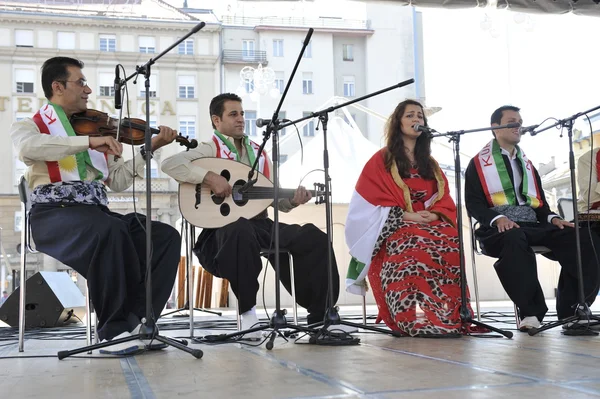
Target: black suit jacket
476 201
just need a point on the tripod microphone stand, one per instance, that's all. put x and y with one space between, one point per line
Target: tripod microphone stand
465 314
332 316
148 329
582 309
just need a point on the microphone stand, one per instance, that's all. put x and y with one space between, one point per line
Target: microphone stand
465 314
148 330
278 320
582 310
332 316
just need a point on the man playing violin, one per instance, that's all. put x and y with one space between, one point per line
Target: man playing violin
70 218
233 251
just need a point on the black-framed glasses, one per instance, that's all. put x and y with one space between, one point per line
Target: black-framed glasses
80 82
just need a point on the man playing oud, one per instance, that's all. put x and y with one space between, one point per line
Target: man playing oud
233 251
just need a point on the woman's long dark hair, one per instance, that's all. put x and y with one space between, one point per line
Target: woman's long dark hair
395 145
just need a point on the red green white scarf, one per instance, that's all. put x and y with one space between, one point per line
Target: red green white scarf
52 120
497 185
226 149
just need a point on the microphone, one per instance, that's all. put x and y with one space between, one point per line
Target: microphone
528 129
198 27
118 102
262 122
424 129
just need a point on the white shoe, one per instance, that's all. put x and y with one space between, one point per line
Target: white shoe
131 347
250 320
528 323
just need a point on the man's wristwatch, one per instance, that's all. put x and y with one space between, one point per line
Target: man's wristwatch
143 152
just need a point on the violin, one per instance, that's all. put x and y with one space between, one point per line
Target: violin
133 130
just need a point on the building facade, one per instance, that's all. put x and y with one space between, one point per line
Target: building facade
345 58
181 86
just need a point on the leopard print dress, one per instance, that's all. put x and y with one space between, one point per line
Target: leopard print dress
415 268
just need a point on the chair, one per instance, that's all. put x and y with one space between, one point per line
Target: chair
565 208
265 253
476 249
26 246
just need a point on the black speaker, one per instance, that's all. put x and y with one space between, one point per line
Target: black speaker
51 299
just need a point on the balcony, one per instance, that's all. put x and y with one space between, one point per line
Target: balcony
244 57
299 22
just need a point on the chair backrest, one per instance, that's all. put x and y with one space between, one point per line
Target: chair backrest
565 208
24 192
474 243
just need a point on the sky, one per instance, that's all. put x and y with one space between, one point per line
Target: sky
548 65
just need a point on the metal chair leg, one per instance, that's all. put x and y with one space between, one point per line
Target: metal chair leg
188 264
295 305
88 318
517 321
237 313
364 309
24 227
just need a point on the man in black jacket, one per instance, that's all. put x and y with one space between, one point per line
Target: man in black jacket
503 192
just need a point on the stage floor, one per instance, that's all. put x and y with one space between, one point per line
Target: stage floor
549 365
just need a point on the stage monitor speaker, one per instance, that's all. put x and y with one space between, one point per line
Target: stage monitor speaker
51 299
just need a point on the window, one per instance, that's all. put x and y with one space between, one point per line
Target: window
348 50
281 117
250 117
106 84
282 158
153 122
309 129
108 43
248 49
349 86
23 38
24 79
186 84
147 44
279 82
308 50
65 40
277 48
187 126
307 83
153 87
248 85
186 47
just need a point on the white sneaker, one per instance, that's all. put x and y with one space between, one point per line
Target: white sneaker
250 320
528 323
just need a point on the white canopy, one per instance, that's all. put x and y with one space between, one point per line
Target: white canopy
348 152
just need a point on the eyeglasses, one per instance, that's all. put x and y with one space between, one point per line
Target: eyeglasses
80 82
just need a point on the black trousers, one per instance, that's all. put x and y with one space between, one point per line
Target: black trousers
233 252
109 250
517 268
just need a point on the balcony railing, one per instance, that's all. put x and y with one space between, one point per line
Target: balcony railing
244 56
332 23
